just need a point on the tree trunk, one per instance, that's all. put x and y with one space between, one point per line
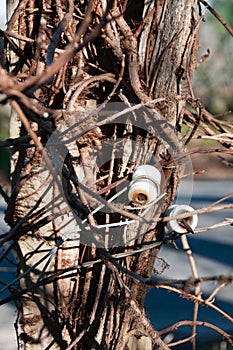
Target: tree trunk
96 97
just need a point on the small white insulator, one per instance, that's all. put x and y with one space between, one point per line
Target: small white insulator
145 185
174 225
43 22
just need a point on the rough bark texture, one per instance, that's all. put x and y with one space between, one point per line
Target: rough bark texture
145 54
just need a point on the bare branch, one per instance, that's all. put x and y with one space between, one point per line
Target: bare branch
219 18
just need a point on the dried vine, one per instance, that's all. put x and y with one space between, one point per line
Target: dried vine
98 88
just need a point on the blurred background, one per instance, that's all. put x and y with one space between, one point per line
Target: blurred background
213 80
213 84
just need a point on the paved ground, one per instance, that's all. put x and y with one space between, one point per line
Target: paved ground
7 312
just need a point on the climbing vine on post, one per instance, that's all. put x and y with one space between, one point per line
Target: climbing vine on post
97 89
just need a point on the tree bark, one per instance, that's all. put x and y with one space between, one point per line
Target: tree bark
71 155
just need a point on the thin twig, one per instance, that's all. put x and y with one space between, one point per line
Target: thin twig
187 249
219 18
198 323
211 297
208 209
182 341
198 299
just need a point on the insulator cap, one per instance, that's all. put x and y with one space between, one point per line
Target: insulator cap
174 225
145 185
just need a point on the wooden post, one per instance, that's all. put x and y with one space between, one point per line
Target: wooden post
140 57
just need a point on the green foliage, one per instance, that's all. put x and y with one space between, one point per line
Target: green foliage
225 9
4 133
4 122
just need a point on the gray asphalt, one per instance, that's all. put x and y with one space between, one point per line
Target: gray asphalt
7 311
